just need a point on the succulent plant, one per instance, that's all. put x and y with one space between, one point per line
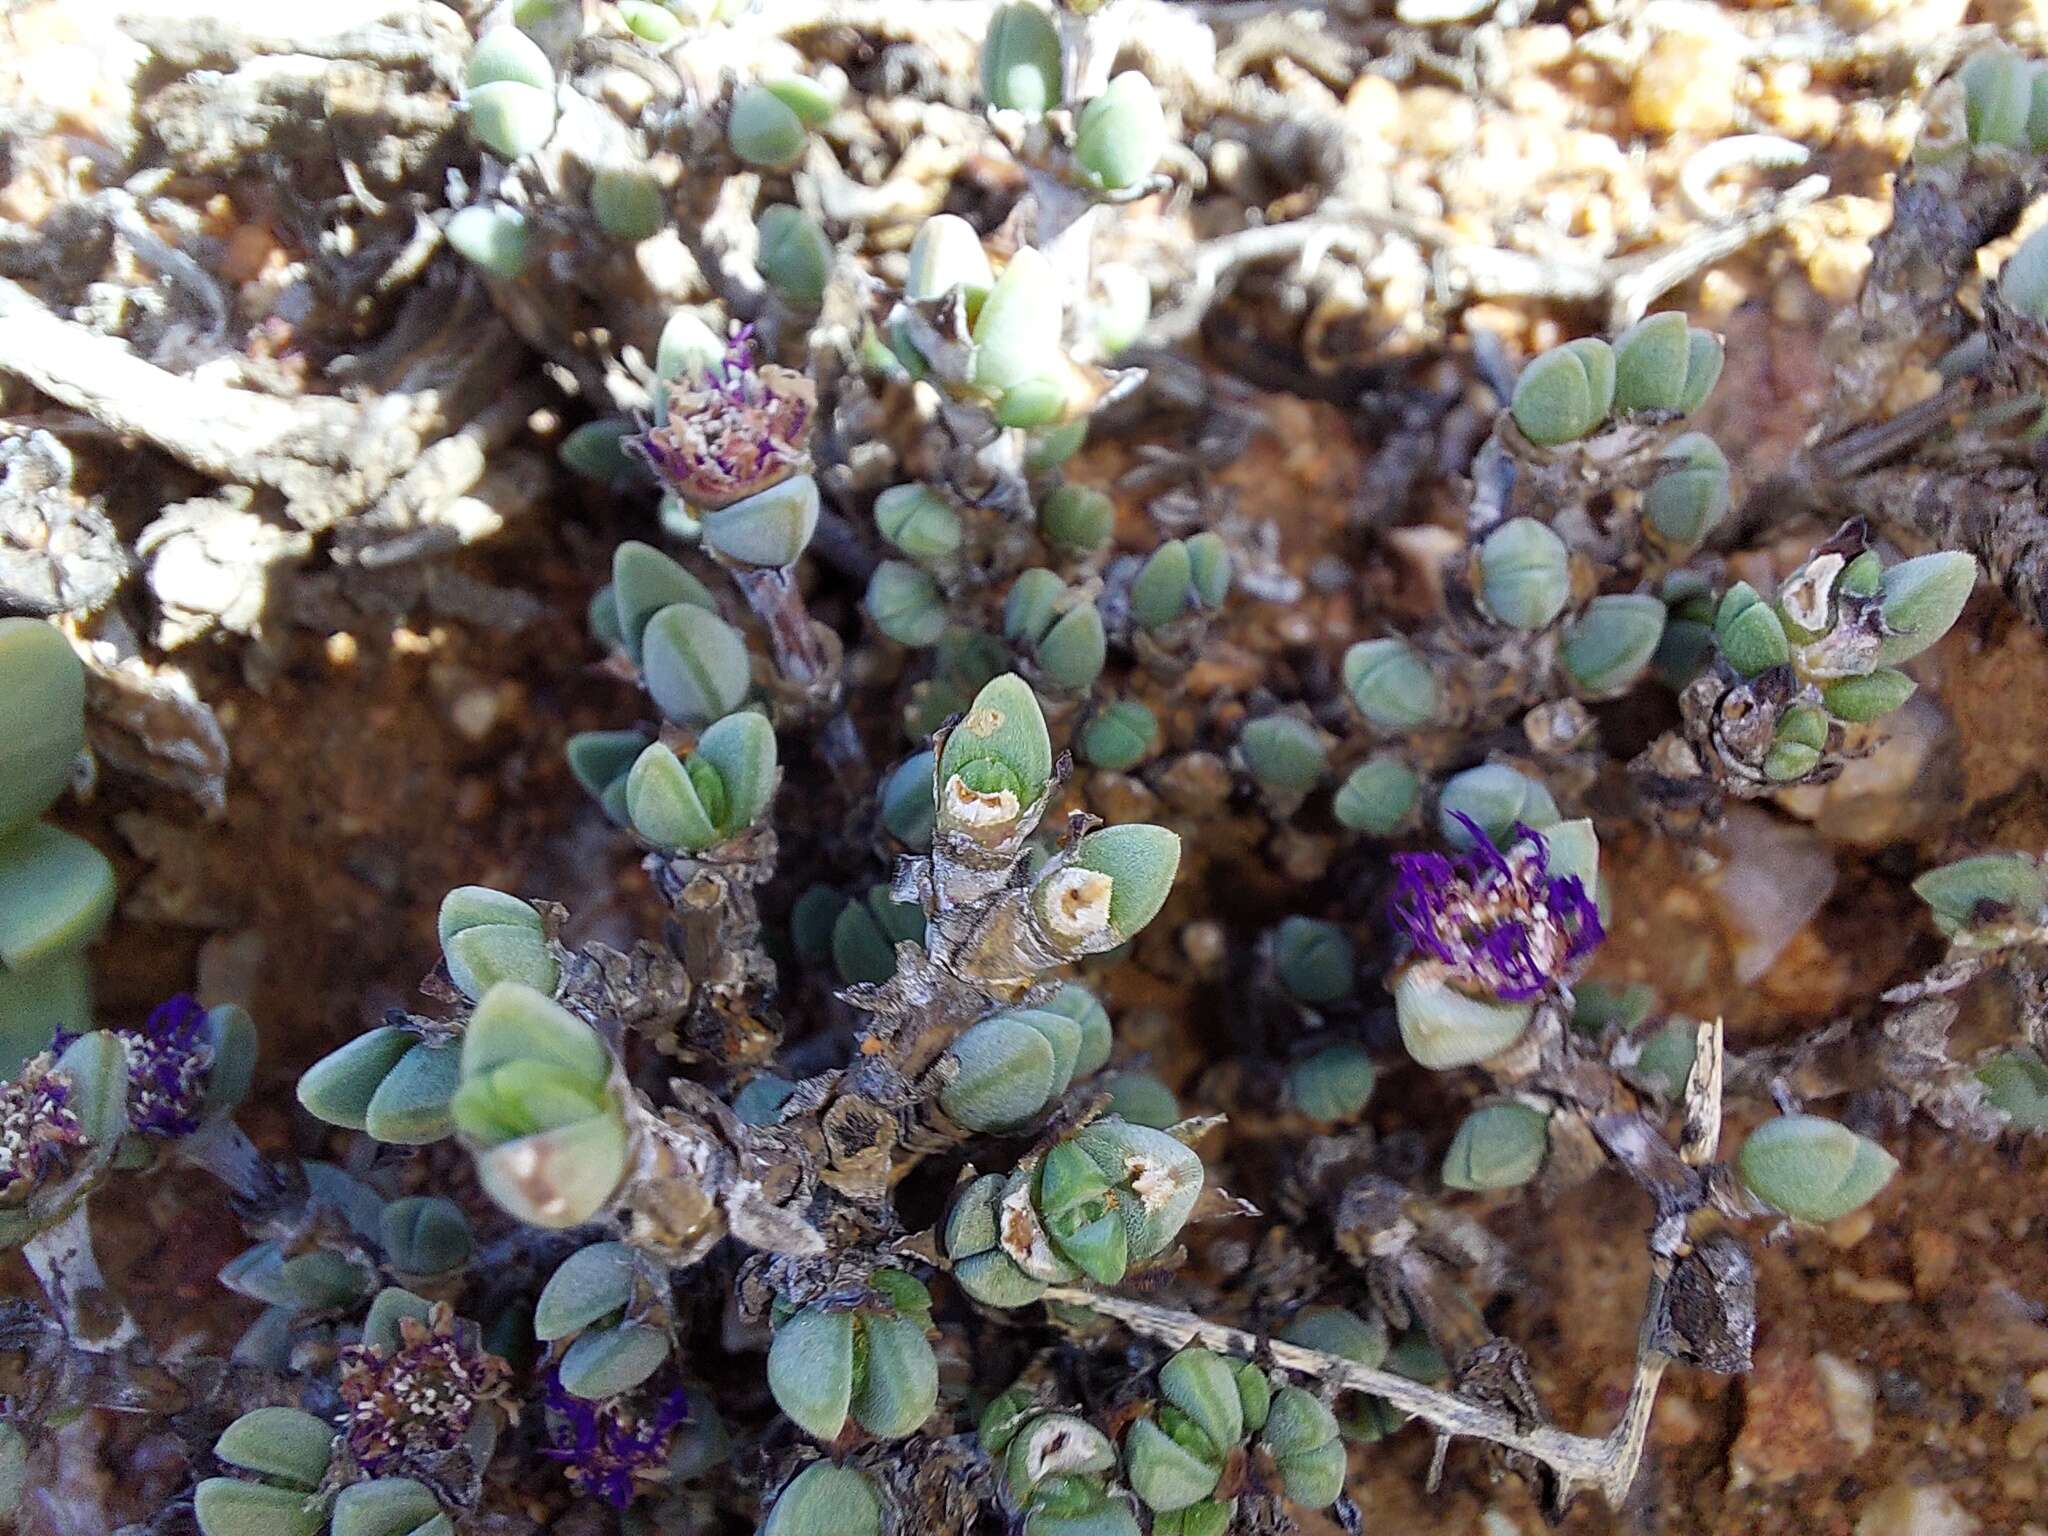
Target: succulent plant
1524 578
509 90
1334 1083
1564 393
826 1500
1113 1195
1119 135
1663 364
722 788
1020 60
1497 1147
871 1363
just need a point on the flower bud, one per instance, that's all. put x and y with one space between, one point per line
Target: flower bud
603 1362
1314 960
1990 890
764 130
600 761
1334 1083
1391 684
1998 96
1524 574
592 1284
44 683
824 1500
946 254
2016 1085
1812 1169
918 521
1005 1076
1379 797
693 664
493 236
1922 598
1442 1027
1301 1437
426 1236
1020 61
1495 797
1120 135
509 89
1497 1147
905 604
1076 519
56 893
1662 364
627 203
1170 1471
1286 755
1686 502
1606 648
387 1506
1119 736
1750 633
1017 332
1870 697
1564 393
908 808
795 255
488 937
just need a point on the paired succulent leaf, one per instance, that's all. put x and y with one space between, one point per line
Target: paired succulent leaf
723 787
872 1363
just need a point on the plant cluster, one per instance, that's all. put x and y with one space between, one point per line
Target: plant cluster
839 1200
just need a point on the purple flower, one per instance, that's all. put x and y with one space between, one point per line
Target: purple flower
607 1449
1500 922
736 430
418 1400
169 1060
38 1128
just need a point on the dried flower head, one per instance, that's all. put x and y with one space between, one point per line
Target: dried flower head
169 1059
418 1400
606 1447
1501 922
39 1129
734 430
